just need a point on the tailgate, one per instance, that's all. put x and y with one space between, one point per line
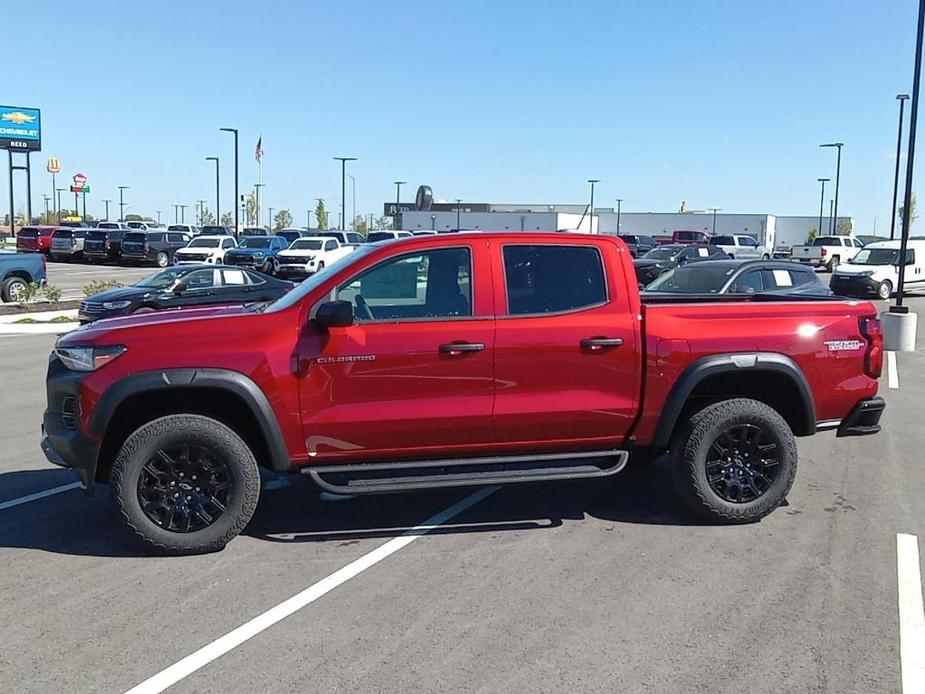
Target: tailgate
807 252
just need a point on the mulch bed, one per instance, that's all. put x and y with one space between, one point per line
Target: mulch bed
13 309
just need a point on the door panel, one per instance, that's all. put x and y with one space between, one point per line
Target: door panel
553 391
383 387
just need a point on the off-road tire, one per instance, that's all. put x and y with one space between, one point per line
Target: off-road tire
224 444
8 288
692 441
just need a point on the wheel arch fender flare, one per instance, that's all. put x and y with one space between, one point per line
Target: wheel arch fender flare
177 380
753 362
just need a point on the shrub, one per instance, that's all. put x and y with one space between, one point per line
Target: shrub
97 286
29 293
52 294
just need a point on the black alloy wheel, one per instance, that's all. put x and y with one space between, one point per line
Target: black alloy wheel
742 463
184 488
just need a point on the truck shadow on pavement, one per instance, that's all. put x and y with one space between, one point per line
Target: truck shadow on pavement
292 510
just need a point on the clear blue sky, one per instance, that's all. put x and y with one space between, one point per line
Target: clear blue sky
717 103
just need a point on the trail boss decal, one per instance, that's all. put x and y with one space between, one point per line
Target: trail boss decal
843 345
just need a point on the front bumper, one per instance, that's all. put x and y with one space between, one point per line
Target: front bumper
298 270
864 419
854 285
63 442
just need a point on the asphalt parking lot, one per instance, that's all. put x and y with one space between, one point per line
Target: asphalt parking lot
71 278
582 587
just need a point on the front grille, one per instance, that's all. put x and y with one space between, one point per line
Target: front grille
192 256
90 308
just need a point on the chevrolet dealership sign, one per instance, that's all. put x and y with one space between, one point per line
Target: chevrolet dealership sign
20 129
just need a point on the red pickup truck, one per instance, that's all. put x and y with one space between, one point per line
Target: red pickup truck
454 360
684 236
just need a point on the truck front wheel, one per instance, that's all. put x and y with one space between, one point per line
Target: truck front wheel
735 461
185 484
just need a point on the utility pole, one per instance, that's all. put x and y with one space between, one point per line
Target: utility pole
899 141
343 187
237 193
122 189
106 202
218 209
592 181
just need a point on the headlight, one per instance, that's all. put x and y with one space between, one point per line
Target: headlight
866 273
113 305
88 358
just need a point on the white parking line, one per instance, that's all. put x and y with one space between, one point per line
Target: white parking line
892 371
205 655
911 614
38 495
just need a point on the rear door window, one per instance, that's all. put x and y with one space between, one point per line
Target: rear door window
749 283
724 241
176 238
552 279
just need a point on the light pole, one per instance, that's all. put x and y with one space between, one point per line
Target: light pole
183 213
176 213
343 187
823 181
59 191
257 187
619 206
353 206
47 217
270 220
158 217
202 207
122 189
237 230
592 181
458 202
910 160
308 219
106 202
714 210
218 209
899 141
839 145
398 185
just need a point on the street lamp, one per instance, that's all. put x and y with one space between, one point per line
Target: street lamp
176 213
343 187
158 217
202 209
218 209
183 213
46 198
839 145
619 206
59 191
592 181
823 181
398 185
831 217
122 189
106 202
899 140
270 218
236 192
353 210
714 210
458 202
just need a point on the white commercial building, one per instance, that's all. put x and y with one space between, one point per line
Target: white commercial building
772 231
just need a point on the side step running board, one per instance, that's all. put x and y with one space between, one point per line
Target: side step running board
377 478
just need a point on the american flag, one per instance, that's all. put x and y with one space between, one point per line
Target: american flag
258 153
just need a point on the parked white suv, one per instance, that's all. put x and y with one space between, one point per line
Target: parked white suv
205 249
309 255
740 246
828 251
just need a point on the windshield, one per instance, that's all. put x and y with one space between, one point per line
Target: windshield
162 279
107 225
306 245
312 282
876 256
254 242
663 253
380 236
827 241
203 243
692 280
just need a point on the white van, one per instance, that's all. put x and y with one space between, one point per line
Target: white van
874 271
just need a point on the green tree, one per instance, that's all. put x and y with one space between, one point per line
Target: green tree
134 218
321 214
207 218
384 222
844 228
228 219
359 224
250 211
811 236
282 220
913 213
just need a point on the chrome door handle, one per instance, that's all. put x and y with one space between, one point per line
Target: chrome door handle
460 347
596 344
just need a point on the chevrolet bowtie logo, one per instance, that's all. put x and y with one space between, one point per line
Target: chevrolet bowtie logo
17 117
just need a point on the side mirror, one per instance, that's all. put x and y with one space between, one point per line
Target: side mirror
180 287
334 314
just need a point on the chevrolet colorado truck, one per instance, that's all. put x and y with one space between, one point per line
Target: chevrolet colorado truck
455 360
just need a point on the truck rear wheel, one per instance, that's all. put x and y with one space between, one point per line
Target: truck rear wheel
735 461
185 484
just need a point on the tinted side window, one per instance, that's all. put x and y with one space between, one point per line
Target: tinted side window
550 279
355 238
801 277
176 238
330 245
748 241
749 283
724 241
433 284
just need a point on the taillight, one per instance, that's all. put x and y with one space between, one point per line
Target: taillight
873 357
822 253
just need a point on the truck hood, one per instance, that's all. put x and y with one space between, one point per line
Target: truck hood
96 332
